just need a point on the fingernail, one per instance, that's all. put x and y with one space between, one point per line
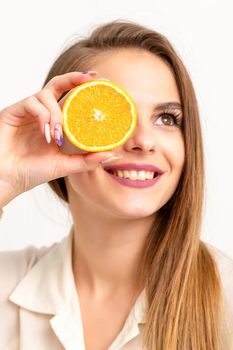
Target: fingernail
111 159
47 132
90 72
58 135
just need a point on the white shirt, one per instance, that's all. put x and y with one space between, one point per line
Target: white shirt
39 305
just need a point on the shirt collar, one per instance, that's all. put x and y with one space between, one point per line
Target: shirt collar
49 288
140 307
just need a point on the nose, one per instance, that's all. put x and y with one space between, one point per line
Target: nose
142 140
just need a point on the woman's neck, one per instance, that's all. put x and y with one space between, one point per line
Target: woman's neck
107 251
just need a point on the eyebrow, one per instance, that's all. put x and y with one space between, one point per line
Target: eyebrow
169 105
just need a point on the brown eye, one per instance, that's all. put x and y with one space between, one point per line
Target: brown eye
167 119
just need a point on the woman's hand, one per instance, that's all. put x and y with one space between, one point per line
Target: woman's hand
26 158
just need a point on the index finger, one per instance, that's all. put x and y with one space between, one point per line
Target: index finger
64 82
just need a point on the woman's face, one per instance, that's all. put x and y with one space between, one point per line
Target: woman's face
157 140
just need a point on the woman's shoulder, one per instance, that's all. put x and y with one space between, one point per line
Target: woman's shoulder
224 262
225 267
15 264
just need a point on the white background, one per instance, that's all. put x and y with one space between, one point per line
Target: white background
33 33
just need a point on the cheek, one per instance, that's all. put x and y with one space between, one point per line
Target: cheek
174 152
180 155
79 183
85 185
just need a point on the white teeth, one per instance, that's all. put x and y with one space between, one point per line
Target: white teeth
125 173
150 175
142 175
119 173
134 175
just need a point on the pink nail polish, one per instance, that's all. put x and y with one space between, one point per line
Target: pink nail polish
47 132
58 134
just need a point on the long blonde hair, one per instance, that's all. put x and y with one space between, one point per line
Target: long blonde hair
180 275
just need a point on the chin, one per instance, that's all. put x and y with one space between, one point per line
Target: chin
135 212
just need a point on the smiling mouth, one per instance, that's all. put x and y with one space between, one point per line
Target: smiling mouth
133 175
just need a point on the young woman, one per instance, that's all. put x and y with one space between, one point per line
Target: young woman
133 273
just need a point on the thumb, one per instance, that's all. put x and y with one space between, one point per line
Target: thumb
75 163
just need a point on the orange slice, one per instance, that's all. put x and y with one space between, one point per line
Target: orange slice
98 116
